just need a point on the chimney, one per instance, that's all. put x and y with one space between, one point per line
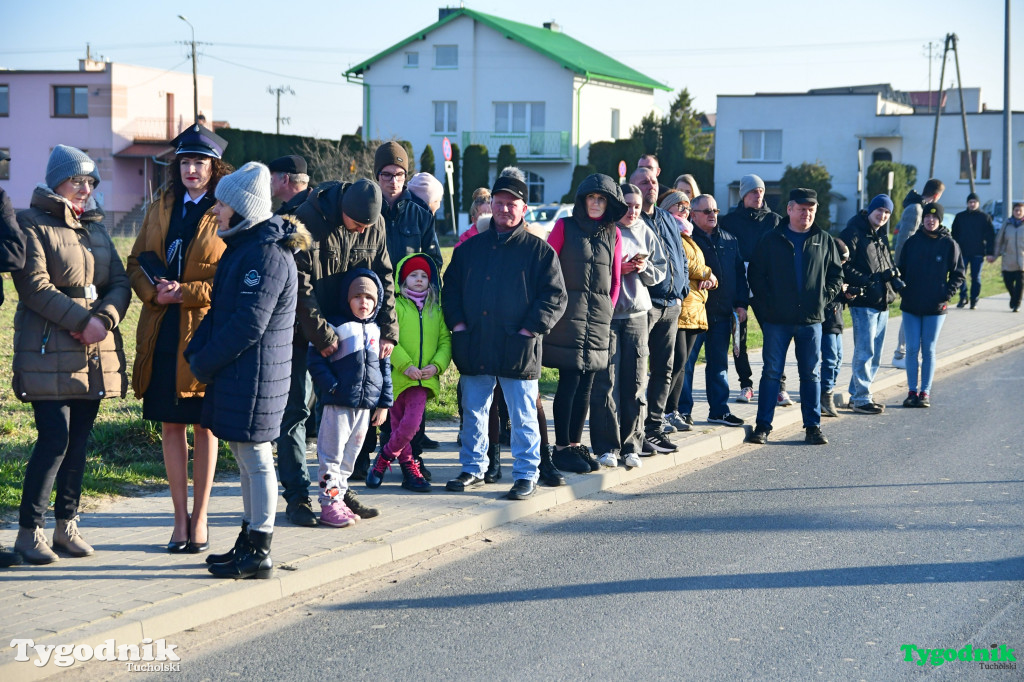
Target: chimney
552 26
443 12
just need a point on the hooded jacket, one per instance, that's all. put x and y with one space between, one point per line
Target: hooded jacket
65 254
870 261
423 338
1010 245
748 225
200 263
676 284
410 229
335 251
974 233
12 241
773 278
354 375
634 297
590 256
243 347
933 268
496 284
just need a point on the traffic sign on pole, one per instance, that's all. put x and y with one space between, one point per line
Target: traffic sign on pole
622 172
446 149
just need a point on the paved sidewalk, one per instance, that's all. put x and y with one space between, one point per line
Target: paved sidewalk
132 589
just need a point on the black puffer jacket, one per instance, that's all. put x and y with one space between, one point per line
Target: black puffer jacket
870 261
772 277
579 340
748 225
497 284
974 233
335 251
12 241
410 229
243 347
722 254
933 269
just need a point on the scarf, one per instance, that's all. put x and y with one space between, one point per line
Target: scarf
417 297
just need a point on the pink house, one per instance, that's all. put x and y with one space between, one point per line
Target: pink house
121 115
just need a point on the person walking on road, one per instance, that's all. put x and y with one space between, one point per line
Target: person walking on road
1010 248
933 269
974 234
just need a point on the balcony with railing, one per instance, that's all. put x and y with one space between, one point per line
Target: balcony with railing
152 129
547 145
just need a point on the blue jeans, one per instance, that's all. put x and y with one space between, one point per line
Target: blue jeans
291 444
974 263
922 334
686 394
716 370
807 339
521 398
868 336
831 360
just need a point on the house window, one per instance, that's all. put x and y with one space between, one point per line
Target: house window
518 117
881 154
446 56
615 124
760 145
983 170
412 59
71 100
5 100
535 188
5 166
445 117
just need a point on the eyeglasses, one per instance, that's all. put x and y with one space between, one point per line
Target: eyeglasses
388 177
708 211
79 181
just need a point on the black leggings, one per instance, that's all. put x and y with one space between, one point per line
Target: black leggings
686 339
572 400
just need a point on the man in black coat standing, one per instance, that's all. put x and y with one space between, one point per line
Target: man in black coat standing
974 233
503 291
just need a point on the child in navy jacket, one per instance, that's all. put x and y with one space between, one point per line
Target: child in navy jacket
354 384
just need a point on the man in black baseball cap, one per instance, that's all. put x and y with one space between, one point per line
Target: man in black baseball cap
497 326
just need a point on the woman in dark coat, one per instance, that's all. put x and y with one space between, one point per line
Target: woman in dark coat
180 232
73 294
589 251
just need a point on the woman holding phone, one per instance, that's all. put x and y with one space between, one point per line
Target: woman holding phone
171 269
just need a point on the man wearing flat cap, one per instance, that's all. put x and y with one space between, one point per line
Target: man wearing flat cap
345 220
794 273
503 291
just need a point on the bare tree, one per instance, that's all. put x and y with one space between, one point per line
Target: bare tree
337 160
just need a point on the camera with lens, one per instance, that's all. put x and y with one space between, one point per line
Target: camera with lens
892 276
854 291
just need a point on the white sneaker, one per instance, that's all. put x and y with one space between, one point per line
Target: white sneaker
899 362
609 459
784 400
633 461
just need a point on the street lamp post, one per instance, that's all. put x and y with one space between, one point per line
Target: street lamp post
195 78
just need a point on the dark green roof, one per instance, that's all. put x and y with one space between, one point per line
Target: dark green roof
557 46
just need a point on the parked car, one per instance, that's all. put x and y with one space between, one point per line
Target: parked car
994 207
546 215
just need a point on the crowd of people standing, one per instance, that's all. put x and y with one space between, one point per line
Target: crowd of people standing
334 311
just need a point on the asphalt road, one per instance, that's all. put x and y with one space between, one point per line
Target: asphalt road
784 562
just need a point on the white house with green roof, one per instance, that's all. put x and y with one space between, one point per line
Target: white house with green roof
480 79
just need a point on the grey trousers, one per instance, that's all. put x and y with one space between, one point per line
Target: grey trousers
259 484
342 430
618 398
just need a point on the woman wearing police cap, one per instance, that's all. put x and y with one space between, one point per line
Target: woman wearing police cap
171 269
73 294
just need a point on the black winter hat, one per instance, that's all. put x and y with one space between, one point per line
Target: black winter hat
973 196
933 209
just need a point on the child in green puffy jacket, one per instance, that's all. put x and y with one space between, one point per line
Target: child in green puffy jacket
422 354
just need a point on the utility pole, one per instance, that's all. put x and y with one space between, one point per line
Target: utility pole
938 109
930 46
195 77
963 114
1007 115
280 90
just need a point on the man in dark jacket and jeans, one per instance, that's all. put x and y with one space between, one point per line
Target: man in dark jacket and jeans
663 318
974 233
870 273
502 292
795 273
748 221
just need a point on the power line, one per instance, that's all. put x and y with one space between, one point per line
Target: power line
272 73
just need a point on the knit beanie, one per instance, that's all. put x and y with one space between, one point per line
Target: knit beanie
67 162
247 192
362 285
880 201
426 187
750 182
973 196
412 264
933 209
361 201
390 153
672 198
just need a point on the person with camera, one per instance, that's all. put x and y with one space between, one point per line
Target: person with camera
873 282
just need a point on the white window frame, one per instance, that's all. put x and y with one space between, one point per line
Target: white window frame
982 173
528 117
449 114
412 60
763 146
437 57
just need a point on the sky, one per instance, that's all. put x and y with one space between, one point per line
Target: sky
711 48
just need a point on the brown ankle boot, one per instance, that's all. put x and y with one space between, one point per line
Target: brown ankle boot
67 539
31 545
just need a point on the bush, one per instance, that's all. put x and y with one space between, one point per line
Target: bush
579 173
475 171
903 180
506 157
427 163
